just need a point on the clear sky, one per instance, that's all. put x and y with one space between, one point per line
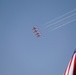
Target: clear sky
23 54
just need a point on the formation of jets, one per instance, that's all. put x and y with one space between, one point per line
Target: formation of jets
35 30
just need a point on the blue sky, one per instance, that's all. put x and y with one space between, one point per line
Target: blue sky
23 54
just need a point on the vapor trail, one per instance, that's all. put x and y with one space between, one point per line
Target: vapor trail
62 25
60 17
61 20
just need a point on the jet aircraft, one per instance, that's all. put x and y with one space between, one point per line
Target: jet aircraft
36 31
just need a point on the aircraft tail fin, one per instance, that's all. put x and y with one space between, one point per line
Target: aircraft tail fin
71 68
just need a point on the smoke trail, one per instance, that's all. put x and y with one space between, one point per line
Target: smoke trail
60 16
62 25
61 20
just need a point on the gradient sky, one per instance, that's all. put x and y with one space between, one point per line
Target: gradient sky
21 53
